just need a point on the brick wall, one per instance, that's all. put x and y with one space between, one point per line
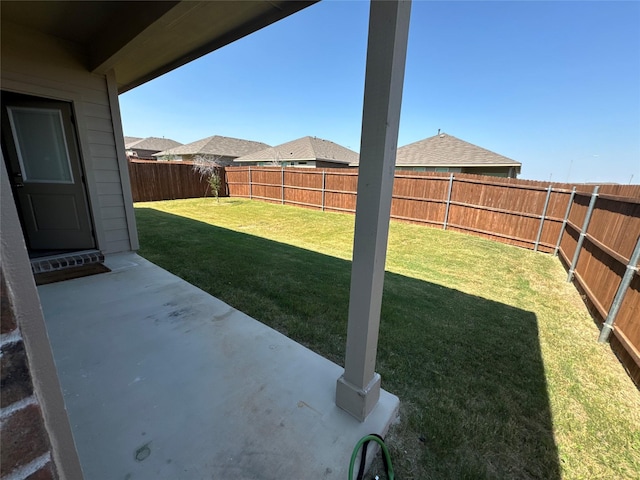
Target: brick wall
25 451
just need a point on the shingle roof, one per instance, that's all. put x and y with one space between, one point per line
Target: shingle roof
305 148
216 145
129 140
447 150
153 143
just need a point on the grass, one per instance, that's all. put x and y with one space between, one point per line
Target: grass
492 353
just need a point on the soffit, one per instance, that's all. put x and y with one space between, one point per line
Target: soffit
143 40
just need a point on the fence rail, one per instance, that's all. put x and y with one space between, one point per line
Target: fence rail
593 230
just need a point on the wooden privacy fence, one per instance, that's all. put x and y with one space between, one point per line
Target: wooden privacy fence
595 243
152 180
601 248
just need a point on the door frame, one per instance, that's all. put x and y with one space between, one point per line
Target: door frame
13 163
55 90
83 180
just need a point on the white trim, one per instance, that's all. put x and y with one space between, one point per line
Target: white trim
123 162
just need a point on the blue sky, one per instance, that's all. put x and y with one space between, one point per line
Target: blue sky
554 85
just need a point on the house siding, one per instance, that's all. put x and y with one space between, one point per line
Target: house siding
322 164
39 65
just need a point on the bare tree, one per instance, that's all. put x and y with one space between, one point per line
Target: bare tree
208 166
277 161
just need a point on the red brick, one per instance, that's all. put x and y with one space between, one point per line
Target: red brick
23 438
45 473
7 318
15 380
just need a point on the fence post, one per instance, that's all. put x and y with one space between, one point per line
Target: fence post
632 269
564 222
583 233
250 192
446 212
544 214
324 185
282 178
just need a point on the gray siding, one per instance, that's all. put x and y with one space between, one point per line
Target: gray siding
43 66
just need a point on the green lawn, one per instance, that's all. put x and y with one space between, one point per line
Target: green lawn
493 355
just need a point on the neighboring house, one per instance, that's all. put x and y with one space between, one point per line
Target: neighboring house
446 153
305 152
221 149
145 148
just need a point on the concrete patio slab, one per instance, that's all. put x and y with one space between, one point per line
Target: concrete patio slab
163 381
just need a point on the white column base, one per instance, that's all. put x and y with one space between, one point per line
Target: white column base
358 402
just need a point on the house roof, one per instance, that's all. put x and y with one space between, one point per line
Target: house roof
446 150
139 40
153 143
216 145
305 148
130 140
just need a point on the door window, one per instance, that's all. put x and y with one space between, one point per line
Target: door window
40 144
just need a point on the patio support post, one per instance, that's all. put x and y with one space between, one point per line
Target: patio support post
542 218
358 389
564 222
583 233
446 212
632 269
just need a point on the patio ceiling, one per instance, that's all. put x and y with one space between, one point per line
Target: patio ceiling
143 40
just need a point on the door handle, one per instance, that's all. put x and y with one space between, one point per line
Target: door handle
17 180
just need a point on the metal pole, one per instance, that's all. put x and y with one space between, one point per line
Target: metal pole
282 178
564 222
544 214
632 269
324 185
583 233
250 192
446 212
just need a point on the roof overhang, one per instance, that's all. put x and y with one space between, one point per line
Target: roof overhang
142 40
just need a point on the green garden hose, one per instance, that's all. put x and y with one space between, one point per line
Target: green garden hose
385 455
